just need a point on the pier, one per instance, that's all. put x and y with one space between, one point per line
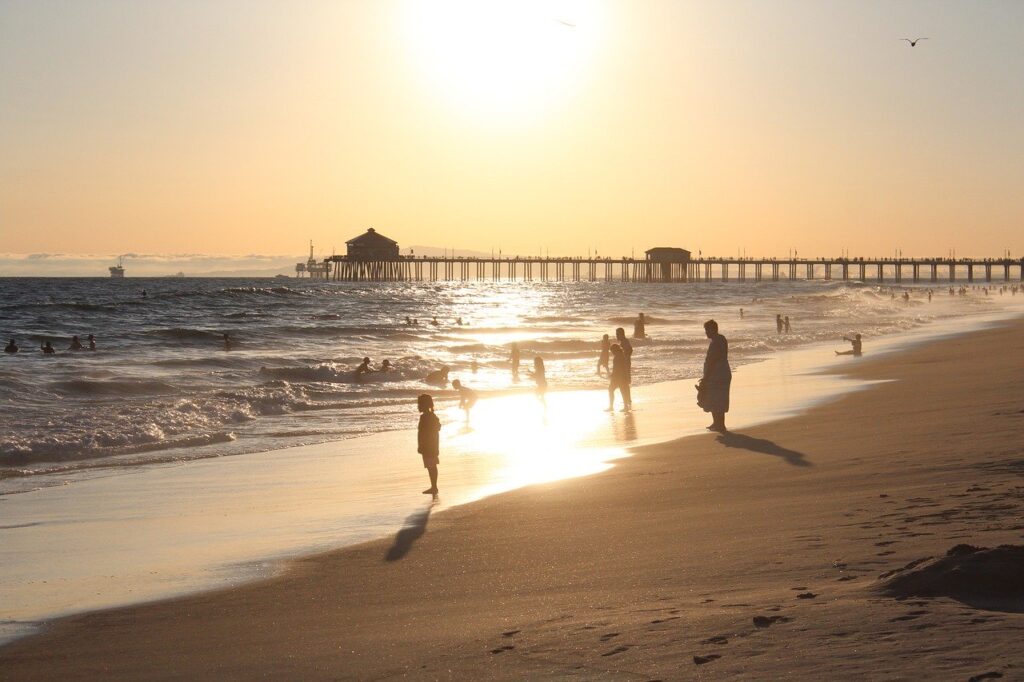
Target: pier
580 269
372 257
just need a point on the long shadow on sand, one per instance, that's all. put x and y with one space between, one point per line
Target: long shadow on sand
764 446
414 528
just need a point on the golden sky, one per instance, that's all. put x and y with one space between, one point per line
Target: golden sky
249 126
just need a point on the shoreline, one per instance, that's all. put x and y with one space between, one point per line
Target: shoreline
595 452
366 556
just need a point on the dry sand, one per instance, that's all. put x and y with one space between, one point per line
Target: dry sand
754 555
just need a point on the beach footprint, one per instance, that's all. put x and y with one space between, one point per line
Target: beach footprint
768 621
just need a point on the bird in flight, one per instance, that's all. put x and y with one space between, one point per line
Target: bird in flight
563 22
913 43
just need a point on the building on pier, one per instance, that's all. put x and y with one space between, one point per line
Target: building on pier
372 246
668 254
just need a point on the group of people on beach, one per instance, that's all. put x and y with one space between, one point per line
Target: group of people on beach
46 347
712 389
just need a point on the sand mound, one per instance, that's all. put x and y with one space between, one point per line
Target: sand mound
981 577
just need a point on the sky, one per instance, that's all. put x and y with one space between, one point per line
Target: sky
233 127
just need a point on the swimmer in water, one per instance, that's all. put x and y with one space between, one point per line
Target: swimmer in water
363 368
11 347
438 377
92 342
47 348
75 344
227 342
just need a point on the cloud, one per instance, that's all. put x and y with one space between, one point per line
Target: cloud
145 265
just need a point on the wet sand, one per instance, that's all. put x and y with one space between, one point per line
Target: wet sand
757 555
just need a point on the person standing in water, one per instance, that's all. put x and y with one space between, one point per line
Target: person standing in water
713 389
540 378
640 327
92 342
778 324
227 342
428 439
47 348
619 379
75 344
363 368
785 322
467 397
11 347
602 360
627 350
514 358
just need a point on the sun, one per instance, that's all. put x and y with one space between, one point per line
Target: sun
500 60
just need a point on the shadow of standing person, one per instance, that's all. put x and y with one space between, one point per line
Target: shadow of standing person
731 439
413 529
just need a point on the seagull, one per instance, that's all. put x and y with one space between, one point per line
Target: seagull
563 22
913 43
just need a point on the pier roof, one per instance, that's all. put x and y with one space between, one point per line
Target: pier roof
371 238
668 254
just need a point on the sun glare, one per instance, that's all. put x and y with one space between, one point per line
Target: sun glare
498 60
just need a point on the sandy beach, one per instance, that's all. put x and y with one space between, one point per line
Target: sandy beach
757 554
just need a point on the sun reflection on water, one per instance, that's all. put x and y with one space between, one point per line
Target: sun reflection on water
527 442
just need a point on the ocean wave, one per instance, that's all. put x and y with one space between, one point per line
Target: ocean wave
61 305
107 387
649 319
404 369
186 333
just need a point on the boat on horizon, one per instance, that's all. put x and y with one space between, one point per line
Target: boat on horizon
117 271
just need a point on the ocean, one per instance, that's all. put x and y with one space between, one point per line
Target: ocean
161 388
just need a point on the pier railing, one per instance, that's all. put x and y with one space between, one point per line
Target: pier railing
894 270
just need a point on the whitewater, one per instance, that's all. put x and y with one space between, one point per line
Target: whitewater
160 387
